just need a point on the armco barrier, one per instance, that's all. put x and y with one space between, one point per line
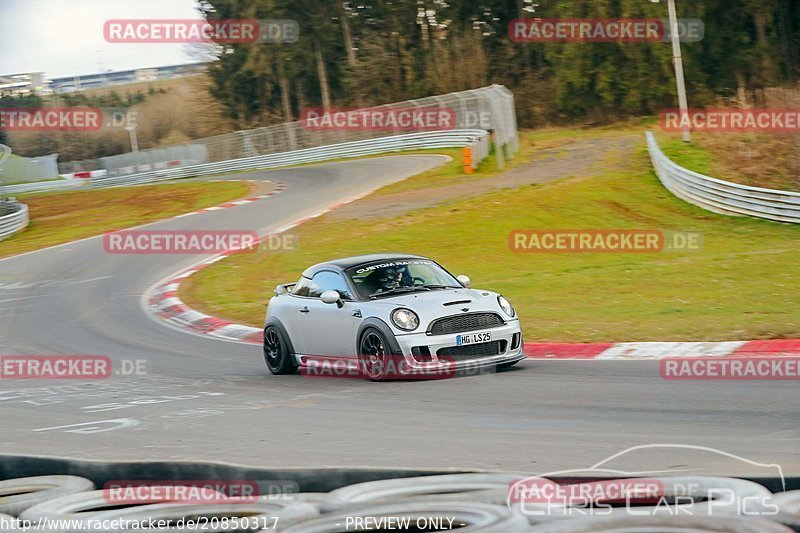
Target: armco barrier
42 186
13 218
478 140
723 196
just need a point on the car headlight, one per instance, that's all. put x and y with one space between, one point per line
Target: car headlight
405 319
506 306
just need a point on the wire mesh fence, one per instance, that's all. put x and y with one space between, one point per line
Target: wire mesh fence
488 108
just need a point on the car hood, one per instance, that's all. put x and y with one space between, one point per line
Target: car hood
437 303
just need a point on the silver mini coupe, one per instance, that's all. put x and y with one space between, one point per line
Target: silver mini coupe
388 316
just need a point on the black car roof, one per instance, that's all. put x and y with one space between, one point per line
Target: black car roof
357 260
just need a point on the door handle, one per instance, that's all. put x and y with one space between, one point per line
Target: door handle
304 310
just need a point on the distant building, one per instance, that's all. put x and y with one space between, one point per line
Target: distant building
24 83
20 84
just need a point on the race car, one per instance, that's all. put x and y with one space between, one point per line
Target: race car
389 316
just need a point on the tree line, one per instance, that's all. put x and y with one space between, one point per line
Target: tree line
365 52
368 52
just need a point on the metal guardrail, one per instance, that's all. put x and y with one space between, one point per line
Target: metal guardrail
5 153
41 186
13 218
723 196
477 139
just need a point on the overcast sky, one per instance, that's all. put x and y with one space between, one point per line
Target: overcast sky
65 37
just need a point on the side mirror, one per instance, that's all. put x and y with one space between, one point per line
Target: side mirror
280 289
331 297
464 280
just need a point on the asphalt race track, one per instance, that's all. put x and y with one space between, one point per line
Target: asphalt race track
206 399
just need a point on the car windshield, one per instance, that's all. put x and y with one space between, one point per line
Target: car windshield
400 275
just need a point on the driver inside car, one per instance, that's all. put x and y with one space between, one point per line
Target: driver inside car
387 279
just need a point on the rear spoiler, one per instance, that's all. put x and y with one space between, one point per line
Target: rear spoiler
283 289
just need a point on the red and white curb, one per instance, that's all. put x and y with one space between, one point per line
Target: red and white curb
164 304
660 350
279 188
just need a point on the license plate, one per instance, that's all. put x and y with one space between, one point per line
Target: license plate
473 338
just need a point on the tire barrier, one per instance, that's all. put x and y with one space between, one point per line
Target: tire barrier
98 506
264 514
86 503
470 502
74 506
786 508
19 494
7 523
694 490
487 488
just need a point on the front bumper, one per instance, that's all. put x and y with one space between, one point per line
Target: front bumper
421 350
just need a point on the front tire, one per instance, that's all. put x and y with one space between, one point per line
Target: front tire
374 354
276 352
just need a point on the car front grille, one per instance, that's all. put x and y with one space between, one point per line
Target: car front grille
466 322
473 351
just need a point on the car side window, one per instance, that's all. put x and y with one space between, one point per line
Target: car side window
302 287
329 281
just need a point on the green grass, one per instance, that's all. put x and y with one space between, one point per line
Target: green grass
58 218
533 145
742 285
